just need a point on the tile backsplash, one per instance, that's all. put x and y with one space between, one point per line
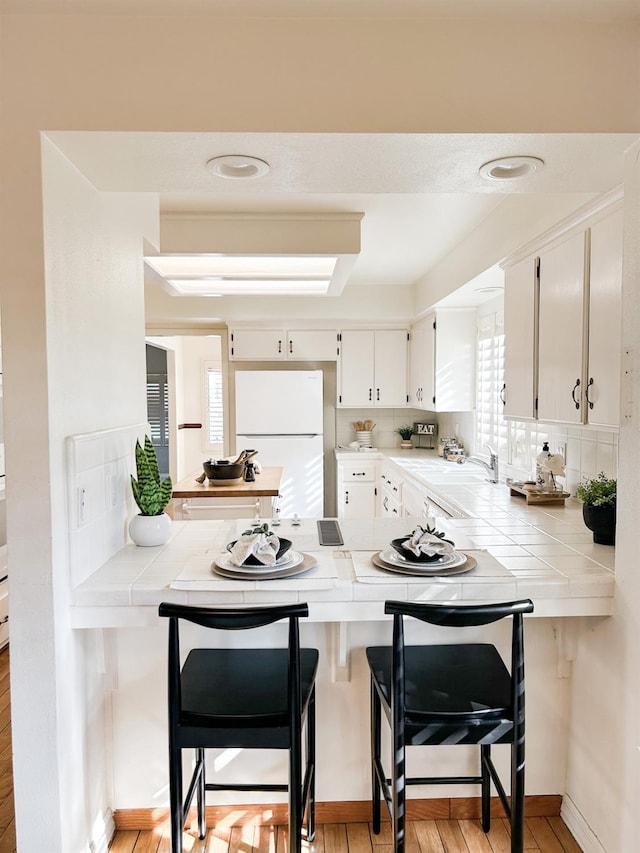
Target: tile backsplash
99 495
386 421
587 451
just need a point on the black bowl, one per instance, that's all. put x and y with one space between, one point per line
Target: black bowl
252 560
224 471
397 546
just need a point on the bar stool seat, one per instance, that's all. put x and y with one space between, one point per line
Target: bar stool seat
258 698
448 694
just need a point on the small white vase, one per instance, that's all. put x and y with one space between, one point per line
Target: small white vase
149 530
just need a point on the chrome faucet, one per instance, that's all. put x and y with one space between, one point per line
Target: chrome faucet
491 466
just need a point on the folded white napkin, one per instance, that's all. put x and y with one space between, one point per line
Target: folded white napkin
263 546
422 542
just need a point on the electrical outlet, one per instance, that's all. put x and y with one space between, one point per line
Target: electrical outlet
562 450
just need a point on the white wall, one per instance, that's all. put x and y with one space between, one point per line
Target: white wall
94 307
604 760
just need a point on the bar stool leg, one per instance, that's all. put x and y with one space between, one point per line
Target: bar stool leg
175 797
295 791
202 817
517 796
375 758
398 792
311 762
485 756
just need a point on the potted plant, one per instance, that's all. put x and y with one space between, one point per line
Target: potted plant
152 526
405 433
598 497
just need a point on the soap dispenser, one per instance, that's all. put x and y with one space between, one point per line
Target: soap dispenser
542 474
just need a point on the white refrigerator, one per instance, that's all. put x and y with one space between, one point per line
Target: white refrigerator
279 413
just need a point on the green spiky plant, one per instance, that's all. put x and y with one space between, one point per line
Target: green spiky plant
149 493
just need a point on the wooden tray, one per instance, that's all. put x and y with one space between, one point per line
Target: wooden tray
553 498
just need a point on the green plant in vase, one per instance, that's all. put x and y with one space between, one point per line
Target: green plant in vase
598 496
405 433
151 495
152 526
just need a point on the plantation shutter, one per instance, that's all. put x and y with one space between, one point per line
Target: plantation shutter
215 405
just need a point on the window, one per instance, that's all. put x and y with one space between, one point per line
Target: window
214 407
491 428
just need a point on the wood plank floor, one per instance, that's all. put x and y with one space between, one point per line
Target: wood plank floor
546 835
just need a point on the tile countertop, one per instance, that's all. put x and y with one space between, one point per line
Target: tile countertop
522 551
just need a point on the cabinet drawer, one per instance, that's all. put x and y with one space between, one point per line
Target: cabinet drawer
391 506
392 483
350 472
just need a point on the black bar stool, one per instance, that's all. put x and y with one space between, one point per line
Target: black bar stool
244 698
449 694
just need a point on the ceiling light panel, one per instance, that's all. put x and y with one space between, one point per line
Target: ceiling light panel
287 266
248 287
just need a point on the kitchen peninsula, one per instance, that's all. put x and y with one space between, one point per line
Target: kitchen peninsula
545 554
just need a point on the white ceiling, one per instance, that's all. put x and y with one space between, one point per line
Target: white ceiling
593 10
420 193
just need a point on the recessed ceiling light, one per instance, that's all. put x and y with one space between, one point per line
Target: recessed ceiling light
237 167
510 168
489 289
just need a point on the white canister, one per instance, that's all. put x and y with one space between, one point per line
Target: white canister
363 437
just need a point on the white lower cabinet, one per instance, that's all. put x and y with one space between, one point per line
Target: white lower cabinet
413 501
356 488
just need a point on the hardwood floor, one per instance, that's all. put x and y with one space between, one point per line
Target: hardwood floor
546 835
7 819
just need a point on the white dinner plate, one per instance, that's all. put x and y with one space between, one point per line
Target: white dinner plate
425 569
265 572
446 561
225 562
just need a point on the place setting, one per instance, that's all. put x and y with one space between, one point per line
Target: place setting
423 553
260 554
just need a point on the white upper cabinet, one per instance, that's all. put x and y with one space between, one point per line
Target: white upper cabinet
373 368
270 344
312 344
602 389
256 344
443 361
560 339
563 320
518 394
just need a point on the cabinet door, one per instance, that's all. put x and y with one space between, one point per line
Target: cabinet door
519 393
357 500
419 356
356 368
454 348
256 344
560 341
390 367
313 344
602 393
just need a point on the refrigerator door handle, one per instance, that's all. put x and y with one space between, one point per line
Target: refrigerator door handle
280 434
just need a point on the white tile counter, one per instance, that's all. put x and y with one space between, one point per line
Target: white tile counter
522 552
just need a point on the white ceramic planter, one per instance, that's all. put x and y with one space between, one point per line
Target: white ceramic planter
149 530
